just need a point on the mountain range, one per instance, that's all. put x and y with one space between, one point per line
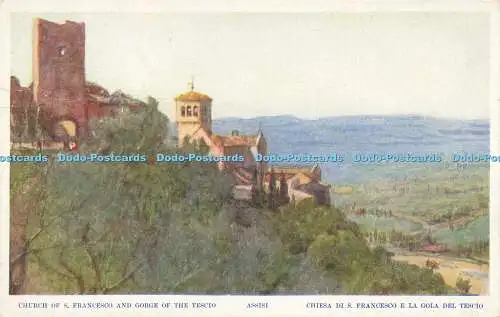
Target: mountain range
361 134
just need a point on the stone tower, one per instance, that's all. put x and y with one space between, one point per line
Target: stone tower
59 74
193 110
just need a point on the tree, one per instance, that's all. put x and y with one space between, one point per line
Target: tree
23 122
25 193
203 147
272 188
283 192
463 286
341 253
87 226
382 255
186 141
172 228
140 228
432 264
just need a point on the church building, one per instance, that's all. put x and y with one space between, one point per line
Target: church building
194 125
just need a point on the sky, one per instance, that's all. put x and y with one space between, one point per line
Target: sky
304 64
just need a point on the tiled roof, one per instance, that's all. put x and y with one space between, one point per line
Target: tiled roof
116 100
217 139
120 98
434 247
292 169
95 89
193 96
303 173
239 140
312 188
287 176
99 98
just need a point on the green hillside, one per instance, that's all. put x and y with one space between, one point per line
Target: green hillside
452 204
172 228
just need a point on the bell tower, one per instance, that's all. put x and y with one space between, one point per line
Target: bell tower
193 111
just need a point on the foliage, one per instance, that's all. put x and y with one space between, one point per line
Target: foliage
337 245
173 228
400 278
432 264
474 231
463 285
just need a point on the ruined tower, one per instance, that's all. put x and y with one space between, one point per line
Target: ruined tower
59 76
193 110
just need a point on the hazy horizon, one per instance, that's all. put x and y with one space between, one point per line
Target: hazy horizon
303 65
353 116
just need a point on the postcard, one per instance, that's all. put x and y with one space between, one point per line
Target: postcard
267 162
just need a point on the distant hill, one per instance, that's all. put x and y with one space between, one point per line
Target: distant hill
349 134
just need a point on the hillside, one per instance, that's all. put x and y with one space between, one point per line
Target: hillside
437 202
452 204
167 229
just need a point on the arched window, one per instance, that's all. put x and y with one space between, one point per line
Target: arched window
195 111
61 50
183 111
188 111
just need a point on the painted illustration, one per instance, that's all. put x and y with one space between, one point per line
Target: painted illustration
254 154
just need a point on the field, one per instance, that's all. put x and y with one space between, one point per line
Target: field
371 222
452 202
440 201
451 269
473 231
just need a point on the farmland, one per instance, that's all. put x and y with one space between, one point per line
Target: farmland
450 204
385 223
452 269
434 204
472 231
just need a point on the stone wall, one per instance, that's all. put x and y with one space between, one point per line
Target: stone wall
59 72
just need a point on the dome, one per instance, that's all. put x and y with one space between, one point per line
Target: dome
193 96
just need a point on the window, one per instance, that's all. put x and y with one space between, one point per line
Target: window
195 111
188 111
183 111
62 51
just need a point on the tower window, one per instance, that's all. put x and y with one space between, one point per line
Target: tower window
62 51
195 111
183 111
189 112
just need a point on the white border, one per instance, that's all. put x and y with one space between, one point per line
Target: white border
234 305
494 274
